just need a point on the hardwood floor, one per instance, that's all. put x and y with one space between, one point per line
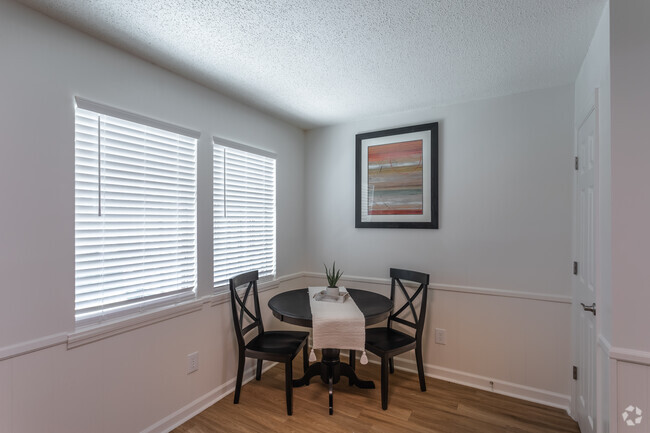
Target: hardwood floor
444 408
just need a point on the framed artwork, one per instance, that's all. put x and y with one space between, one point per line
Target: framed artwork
397 178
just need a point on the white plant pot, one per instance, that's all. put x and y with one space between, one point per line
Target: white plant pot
332 291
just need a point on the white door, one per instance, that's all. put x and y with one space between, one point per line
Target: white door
584 298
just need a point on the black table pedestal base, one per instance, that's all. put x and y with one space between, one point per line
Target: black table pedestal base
330 369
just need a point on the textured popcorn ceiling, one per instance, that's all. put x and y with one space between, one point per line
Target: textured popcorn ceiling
319 62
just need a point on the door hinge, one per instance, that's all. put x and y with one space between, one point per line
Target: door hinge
575 268
576 163
575 373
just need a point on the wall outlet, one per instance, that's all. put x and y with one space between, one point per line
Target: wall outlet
441 336
192 362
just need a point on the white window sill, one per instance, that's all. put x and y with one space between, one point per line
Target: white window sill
91 333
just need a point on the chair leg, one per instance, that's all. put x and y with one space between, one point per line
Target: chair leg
258 373
391 363
240 375
288 380
384 383
353 358
305 358
418 359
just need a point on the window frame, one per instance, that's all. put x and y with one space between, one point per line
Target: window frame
133 307
221 286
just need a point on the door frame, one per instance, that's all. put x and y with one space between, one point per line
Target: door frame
592 106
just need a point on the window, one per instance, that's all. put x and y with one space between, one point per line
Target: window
135 213
244 211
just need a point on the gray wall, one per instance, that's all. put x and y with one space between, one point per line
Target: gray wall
505 197
46 64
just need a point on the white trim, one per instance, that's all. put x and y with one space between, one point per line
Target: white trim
528 393
243 147
30 346
535 395
220 298
273 284
458 289
192 409
132 117
604 344
613 395
90 334
223 295
622 354
531 394
561 299
94 333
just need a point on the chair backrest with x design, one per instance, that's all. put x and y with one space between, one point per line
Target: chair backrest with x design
240 312
417 322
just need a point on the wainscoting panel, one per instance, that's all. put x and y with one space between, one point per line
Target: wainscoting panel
128 381
633 397
5 397
513 343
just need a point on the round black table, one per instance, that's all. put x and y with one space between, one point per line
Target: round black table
293 307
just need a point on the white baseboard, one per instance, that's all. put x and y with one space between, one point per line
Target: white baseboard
189 411
535 395
522 392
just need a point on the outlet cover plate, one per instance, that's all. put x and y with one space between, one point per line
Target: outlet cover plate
441 336
192 362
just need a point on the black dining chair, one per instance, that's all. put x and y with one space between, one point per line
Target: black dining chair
276 346
387 342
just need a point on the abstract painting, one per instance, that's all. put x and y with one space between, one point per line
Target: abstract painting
397 178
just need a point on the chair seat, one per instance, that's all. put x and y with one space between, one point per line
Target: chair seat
278 342
387 339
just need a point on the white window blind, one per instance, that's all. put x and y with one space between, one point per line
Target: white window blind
244 211
135 214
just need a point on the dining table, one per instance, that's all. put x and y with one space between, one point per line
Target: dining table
293 307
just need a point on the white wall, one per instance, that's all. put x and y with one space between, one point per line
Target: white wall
630 57
45 65
595 74
130 381
505 197
502 255
630 104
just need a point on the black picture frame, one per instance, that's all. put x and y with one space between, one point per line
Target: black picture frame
395 205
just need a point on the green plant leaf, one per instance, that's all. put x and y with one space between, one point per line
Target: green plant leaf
332 275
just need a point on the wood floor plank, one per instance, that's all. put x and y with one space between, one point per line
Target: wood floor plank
444 408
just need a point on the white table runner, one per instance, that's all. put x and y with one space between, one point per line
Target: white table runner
337 325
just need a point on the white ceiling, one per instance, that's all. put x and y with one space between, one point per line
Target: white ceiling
320 62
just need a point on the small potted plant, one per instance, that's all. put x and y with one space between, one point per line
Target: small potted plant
333 277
